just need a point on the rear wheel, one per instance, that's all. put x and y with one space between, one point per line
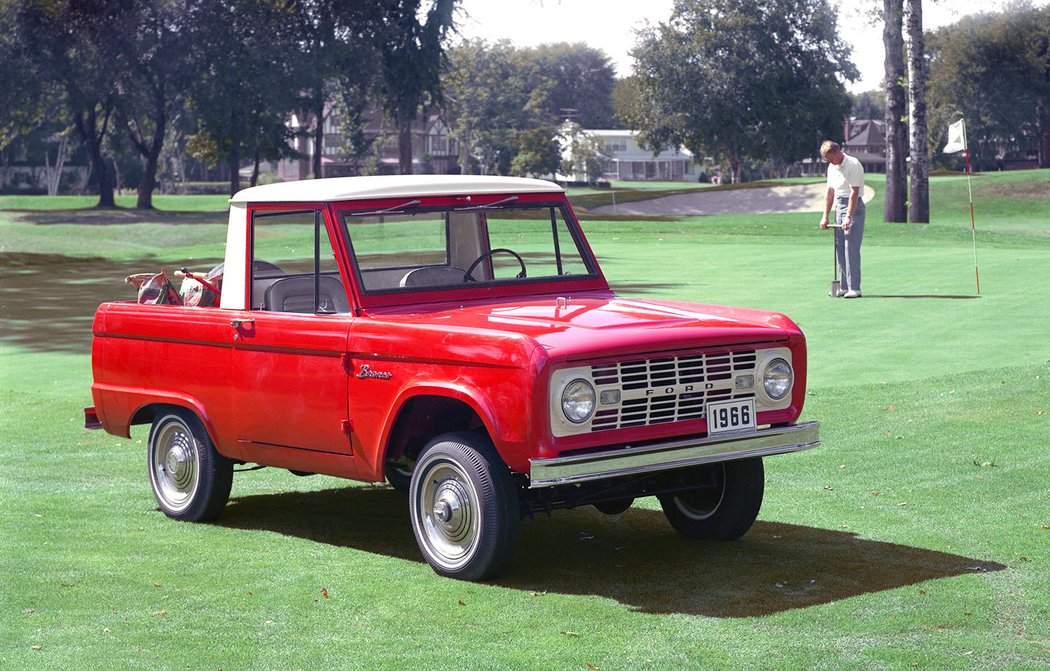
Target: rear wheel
724 504
464 507
190 480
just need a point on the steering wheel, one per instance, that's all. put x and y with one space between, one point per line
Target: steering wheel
498 250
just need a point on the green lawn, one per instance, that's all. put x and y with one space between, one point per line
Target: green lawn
164 203
916 536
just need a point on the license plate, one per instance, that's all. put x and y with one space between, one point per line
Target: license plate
729 416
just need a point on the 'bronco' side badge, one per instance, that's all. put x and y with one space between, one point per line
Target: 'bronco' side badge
367 372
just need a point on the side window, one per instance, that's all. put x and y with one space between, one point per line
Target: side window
293 265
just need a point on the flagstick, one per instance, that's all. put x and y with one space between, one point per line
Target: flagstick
973 226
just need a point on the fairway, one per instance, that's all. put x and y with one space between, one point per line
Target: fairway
916 536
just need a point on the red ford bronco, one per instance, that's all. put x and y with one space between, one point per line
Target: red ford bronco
455 337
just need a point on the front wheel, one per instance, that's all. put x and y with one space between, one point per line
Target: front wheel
723 505
464 507
190 479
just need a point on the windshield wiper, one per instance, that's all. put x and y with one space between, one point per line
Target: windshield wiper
387 210
508 199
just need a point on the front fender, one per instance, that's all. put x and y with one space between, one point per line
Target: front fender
507 424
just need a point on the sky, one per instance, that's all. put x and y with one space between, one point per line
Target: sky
609 25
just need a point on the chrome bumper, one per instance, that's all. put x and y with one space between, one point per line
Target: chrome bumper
677 454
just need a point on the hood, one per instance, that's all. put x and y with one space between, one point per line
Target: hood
604 323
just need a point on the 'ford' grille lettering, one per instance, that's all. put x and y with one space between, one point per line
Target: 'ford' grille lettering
668 389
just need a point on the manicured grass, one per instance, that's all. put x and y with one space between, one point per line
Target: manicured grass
915 537
165 202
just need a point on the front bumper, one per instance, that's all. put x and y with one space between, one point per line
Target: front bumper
675 454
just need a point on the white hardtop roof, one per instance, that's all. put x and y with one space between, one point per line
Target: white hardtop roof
393 186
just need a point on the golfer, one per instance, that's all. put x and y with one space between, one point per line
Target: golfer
845 185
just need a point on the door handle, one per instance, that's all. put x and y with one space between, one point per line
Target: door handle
237 323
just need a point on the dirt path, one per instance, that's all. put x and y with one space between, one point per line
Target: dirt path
788 198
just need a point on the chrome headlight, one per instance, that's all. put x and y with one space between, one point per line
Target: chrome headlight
577 401
777 379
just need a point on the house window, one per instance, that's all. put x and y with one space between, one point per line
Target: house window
438 141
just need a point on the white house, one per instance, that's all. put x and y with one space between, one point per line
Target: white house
629 162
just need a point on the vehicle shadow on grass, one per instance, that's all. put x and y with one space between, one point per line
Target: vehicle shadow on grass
954 298
634 558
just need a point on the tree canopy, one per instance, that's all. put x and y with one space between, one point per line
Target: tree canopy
994 71
412 55
485 118
537 89
743 79
582 79
115 73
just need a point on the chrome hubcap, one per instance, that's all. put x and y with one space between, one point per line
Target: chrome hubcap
177 461
447 514
174 465
449 510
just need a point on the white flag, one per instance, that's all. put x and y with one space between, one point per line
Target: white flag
956 137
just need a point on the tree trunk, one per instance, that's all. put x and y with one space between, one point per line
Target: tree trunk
1043 113
736 168
919 191
404 141
895 204
318 113
151 159
235 157
255 167
91 137
464 154
54 176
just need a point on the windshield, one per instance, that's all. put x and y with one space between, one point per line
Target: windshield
410 249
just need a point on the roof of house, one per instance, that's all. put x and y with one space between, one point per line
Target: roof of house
392 186
866 133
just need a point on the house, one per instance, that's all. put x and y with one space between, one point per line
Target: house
43 162
628 161
866 141
433 150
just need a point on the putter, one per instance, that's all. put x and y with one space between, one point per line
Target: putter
835 284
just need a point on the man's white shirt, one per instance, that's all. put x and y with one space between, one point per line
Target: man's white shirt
843 177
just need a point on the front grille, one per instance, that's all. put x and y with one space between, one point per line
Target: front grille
668 389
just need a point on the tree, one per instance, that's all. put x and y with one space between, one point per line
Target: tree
485 120
743 79
157 46
70 47
919 186
868 105
586 155
538 153
242 96
895 204
412 53
628 101
24 95
993 70
338 46
582 79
